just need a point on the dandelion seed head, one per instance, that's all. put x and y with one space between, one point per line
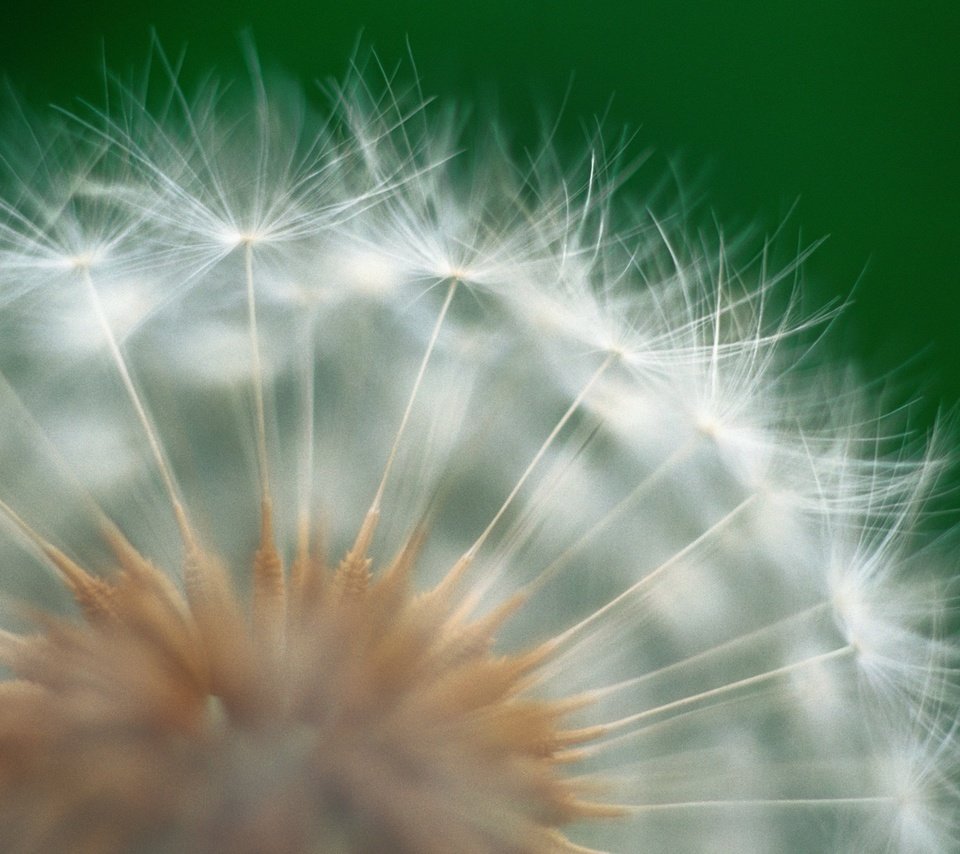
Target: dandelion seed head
402 497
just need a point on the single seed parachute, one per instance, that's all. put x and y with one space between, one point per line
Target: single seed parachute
361 493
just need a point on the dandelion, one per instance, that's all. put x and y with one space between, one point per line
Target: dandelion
362 493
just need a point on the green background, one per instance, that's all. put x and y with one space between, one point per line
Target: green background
846 112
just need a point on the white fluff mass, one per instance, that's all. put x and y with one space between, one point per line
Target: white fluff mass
210 297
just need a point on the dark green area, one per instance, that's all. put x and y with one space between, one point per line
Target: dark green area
846 112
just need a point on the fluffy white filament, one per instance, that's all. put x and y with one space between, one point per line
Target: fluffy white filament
224 303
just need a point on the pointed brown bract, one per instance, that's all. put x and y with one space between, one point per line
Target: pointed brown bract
338 712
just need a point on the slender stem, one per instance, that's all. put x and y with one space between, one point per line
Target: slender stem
23 526
574 406
308 381
368 526
262 463
719 649
716 527
868 800
719 691
413 393
456 572
644 486
149 431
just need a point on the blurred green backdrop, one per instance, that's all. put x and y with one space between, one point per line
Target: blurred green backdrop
849 110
